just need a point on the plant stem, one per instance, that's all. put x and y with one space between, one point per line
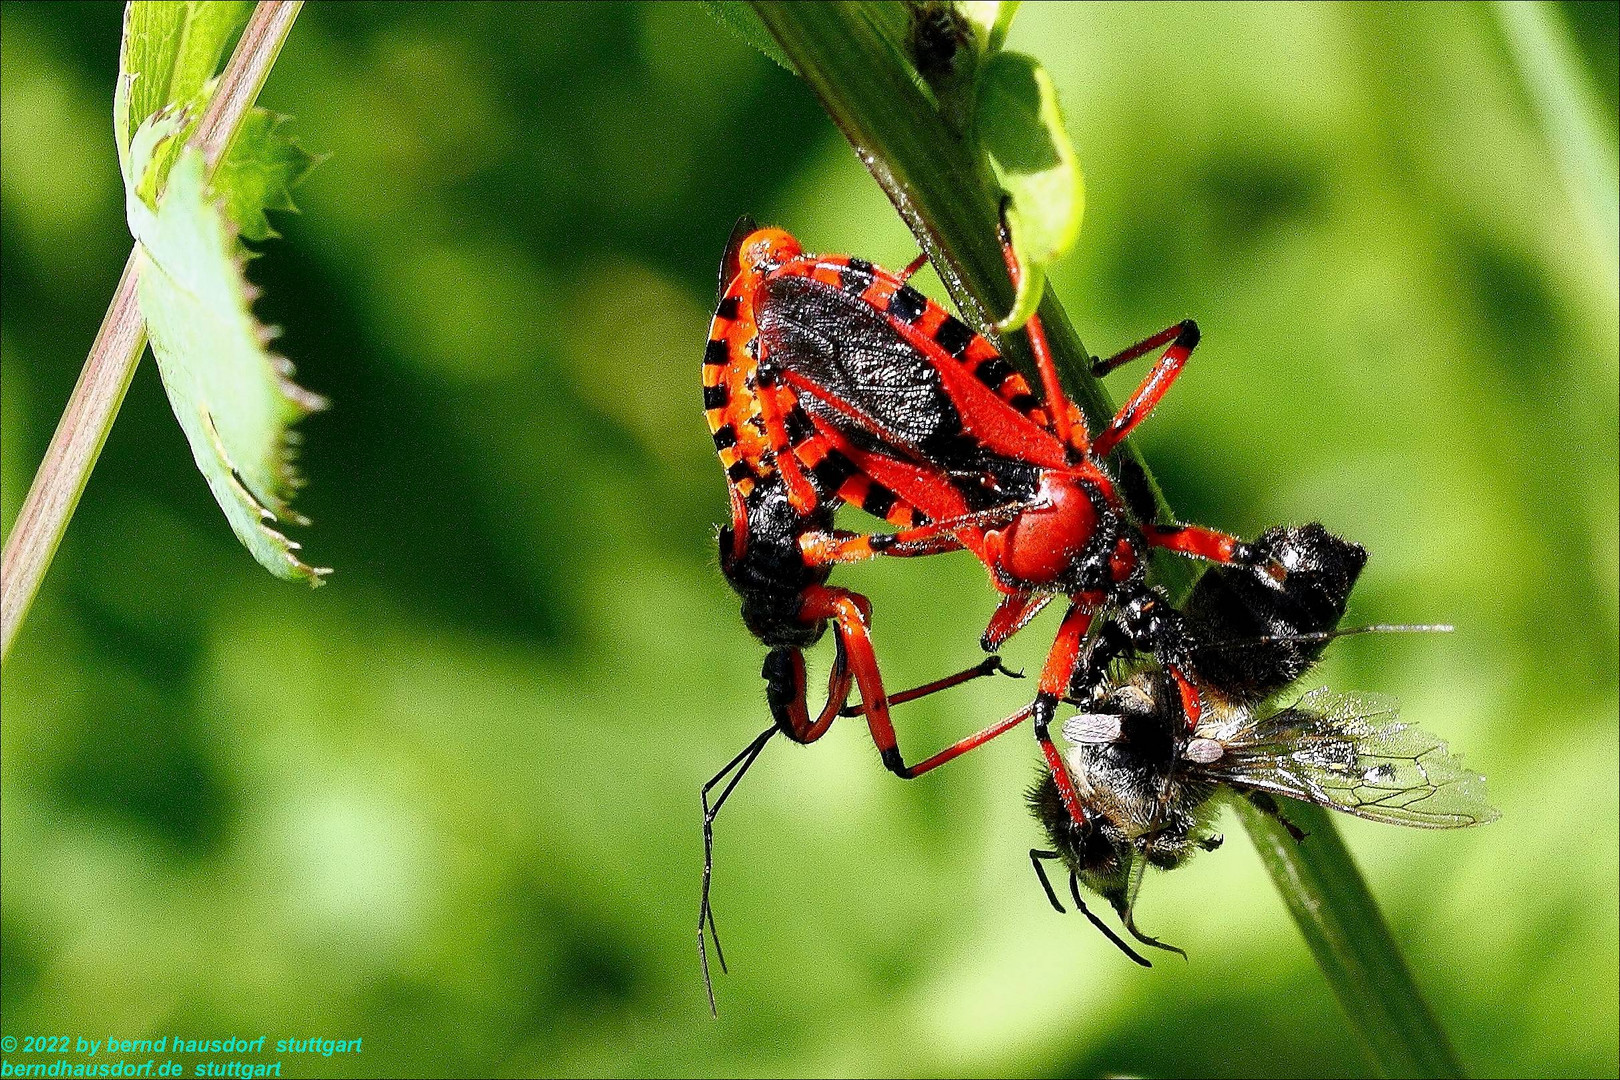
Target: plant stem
943 188
73 450
1347 934
940 183
105 378
1561 94
244 77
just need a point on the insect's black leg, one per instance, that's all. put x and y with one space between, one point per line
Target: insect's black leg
736 768
1264 803
1036 856
1128 916
1107 931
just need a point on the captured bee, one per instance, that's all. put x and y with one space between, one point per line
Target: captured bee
1149 785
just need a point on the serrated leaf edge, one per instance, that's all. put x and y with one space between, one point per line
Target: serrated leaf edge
297 568
286 481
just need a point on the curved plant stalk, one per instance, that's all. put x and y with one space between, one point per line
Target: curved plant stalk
1566 106
110 365
941 185
1347 934
73 451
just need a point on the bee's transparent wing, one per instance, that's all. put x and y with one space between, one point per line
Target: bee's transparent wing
1349 754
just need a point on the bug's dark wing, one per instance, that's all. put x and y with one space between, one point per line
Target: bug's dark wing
1349 754
888 396
729 264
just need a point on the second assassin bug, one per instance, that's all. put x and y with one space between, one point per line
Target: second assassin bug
1150 781
787 601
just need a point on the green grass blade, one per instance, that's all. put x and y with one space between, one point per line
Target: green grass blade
1567 108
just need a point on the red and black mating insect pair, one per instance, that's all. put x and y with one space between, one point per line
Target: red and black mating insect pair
827 379
1149 780
781 515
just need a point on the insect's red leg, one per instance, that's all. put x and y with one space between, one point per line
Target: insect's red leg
852 615
912 267
1153 388
1100 367
1204 543
957 749
801 493
1059 408
990 665
920 540
786 676
1012 615
739 521
787 693
1055 676
1191 705
821 548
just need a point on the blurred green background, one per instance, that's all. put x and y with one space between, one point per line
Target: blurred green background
449 803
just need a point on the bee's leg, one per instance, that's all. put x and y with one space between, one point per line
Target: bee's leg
1036 857
1128 917
1107 931
1264 803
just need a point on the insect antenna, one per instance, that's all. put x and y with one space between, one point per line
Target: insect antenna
736 769
1327 635
1107 931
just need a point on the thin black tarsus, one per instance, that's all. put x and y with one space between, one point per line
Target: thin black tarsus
1039 855
1107 931
1036 855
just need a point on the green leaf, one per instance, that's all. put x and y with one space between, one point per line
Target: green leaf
741 19
234 399
990 20
170 51
259 172
1022 127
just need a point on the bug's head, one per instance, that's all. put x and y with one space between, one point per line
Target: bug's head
1147 619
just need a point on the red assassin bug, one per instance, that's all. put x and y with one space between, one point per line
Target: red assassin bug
787 602
921 405
1150 781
